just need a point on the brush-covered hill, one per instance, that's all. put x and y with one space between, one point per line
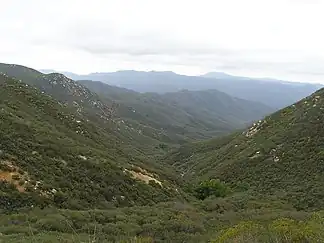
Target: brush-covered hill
183 115
61 88
142 140
51 155
281 155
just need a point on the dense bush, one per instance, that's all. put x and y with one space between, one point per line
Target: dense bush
209 188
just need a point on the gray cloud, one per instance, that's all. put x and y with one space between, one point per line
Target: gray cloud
149 49
258 38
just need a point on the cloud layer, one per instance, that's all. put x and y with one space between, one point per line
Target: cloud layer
280 39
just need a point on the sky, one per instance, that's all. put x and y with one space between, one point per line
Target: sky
258 38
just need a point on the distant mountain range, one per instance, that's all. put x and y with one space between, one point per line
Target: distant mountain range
274 93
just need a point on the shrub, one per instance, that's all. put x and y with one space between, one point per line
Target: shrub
280 230
209 188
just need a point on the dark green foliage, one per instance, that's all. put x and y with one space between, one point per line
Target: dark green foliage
209 188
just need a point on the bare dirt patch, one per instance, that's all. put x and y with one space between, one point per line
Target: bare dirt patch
12 176
143 176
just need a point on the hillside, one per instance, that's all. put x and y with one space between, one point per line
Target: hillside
51 155
61 88
281 155
275 93
142 140
183 115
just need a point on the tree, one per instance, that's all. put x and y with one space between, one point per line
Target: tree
209 188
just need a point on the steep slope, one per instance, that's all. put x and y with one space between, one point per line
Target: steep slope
91 107
281 155
182 115
51 155
274 93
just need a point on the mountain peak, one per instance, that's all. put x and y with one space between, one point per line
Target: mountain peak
217 75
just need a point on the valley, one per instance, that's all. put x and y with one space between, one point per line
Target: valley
82 160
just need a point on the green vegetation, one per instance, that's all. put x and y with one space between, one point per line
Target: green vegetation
75 168
163 222
61 159
280 230
209 188
281 156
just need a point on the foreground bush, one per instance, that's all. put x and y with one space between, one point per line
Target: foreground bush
281 230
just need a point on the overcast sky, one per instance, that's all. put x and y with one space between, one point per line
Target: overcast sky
261 38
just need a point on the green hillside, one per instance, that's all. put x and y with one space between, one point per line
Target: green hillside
281 155
134 138
51 155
